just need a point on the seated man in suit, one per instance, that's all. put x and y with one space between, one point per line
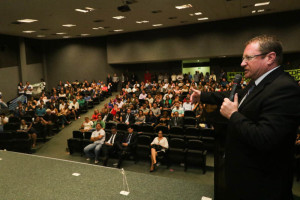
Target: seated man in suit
176 120
97 137
128 118
129 144
112 144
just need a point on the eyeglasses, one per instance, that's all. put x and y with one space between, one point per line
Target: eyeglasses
248 58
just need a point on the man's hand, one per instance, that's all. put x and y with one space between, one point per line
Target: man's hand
195 97
228 107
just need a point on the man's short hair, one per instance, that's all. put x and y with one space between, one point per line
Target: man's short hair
113 127
267 44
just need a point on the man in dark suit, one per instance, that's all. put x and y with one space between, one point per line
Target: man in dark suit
176 120
263 120
128 118
129 144
112 145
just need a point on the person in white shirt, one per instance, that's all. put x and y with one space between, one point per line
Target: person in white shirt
28 89
128 89
86 125
98 138
143 95
187 105
158 147
74 108
21 88
174 77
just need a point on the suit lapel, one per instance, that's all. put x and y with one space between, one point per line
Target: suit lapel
260 87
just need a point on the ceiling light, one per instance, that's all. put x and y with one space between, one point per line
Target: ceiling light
96 28
119 17
262 10
40 36
118 30
81 10
157 25
69 25
89 8
142 22
253 11
184 6
262 3
203 18
84 34
61 33
66 36
26 20
29 31
198 13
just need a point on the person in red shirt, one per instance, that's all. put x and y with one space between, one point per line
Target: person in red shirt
95 115
147 76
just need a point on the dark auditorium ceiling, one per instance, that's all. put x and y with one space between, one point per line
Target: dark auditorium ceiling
96 16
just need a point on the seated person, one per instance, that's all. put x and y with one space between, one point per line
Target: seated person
63 115
99 120
176 120
188 105
112 144
74 108
87 125
156 111
145 109
39 127
177 108
129 144
128 118
164 120
29 130
88 98
107 116
95 115
40 111
114 110
158 147
140 118
81 102
97 137
151 119
117 118
48 120
3 121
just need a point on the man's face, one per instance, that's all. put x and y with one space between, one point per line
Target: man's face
128 111
130 130
256 66
176 114
113 131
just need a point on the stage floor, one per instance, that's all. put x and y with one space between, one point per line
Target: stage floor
25 176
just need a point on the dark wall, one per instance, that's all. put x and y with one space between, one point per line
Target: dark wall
9 51
76 59
203 40
34 51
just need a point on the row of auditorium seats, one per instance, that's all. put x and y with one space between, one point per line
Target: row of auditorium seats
186 146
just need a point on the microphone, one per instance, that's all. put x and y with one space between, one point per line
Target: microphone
237 80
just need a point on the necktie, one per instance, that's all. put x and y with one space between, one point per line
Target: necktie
127 118
175 121
111 140
249 91
128 139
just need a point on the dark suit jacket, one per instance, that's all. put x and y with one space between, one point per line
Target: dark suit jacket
133 140
179 122
260 138
117 142
131 118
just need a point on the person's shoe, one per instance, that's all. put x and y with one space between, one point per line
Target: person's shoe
96 161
